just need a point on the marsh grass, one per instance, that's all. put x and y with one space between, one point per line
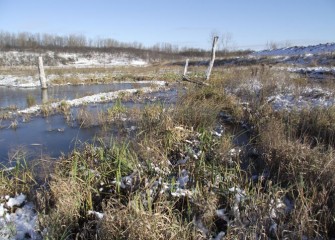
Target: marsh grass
117 111
14 124
46 109
79 184
17 179
307 171
177 179
96 75
31 101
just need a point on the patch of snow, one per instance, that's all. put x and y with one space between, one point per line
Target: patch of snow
98 215
20 224
8 169
221 213
19 81
239 194
234 152
126 182
294 51
218 131
182 193
276 206
16 201
97 59
309 98
2 210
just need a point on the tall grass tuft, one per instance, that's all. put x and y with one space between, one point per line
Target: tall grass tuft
31 101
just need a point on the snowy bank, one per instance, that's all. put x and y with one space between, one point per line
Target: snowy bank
298 51
51 58
96 98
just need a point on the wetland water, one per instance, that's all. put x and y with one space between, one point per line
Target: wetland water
53 135
10 96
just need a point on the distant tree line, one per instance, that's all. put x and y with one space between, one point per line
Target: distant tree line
80 43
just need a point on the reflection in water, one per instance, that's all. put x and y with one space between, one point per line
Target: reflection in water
44 96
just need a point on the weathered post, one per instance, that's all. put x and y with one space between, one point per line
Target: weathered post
211 63
185 69
42 74
44 95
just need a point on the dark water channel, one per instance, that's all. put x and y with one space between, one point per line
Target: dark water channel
53 135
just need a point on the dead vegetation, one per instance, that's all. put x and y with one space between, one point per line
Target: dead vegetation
183 175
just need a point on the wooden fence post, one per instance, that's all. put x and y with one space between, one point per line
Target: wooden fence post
42 74
44 95
211 63
186 66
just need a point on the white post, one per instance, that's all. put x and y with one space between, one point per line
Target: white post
211 63
186 66
42 74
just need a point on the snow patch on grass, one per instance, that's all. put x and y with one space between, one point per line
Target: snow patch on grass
309 98
21 223
19 81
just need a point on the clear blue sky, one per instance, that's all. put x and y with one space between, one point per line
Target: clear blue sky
252 23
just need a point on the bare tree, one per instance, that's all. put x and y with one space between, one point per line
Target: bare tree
226 41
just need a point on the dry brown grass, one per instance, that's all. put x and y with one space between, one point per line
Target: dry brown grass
135 221
303 166
300 171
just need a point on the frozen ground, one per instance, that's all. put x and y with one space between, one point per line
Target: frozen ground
308 98
286 96
19 81
303 56
300 51
314 72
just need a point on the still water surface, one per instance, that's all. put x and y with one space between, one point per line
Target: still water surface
52 135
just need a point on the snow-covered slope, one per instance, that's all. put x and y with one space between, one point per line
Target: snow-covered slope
298 51
50 58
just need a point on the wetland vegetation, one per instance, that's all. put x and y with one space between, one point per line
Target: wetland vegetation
250 156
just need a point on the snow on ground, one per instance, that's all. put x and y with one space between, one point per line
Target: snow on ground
302 50
286 96
314 72
19 81
18 219
50 58
119 61
310 69
308 98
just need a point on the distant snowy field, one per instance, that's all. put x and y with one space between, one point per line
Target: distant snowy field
97 59
303 50
60 60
